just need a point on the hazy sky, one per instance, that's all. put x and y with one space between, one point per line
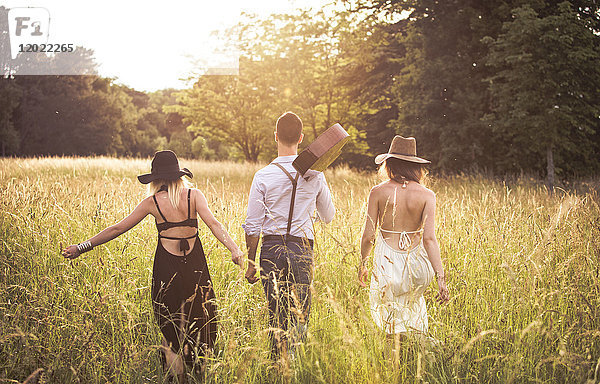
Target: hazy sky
147 44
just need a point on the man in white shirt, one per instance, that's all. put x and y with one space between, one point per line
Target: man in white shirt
283 213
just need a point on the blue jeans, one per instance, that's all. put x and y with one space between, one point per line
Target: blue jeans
286 274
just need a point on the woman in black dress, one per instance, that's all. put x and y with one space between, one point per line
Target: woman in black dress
182 292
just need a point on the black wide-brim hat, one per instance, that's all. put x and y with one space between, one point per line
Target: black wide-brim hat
165 166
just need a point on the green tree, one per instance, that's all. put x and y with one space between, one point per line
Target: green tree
546 91
420 73
166 122
201 150
305 49
440 90
434 56
232 109
289 62
370 64
181 144
10 97
74 115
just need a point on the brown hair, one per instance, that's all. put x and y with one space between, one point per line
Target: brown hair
289 128
397 170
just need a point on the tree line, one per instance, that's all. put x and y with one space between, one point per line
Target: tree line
501 86
86 115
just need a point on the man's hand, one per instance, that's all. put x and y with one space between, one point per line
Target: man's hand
252 245
251 272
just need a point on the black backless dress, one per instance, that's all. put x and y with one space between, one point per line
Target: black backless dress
182 294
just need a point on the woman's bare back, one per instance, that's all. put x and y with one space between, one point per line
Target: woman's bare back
173 216
400 210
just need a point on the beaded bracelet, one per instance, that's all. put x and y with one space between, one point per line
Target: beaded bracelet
84 247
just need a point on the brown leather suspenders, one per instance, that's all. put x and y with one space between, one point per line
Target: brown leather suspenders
293 201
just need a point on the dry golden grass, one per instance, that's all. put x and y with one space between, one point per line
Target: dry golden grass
523 271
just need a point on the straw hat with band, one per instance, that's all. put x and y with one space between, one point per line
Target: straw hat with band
165 166
403 148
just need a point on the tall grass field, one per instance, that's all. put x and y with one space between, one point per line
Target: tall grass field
523 272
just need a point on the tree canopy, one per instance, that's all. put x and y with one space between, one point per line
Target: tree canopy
501 86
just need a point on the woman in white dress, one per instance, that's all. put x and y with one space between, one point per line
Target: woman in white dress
407 254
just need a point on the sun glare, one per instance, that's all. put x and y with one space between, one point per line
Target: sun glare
147 45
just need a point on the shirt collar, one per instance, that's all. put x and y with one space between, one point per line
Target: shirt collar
285 159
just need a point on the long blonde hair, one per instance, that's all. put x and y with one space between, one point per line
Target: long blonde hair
174 188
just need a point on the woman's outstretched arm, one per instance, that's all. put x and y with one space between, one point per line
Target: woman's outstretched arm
432 248
217 228
115 230
368 237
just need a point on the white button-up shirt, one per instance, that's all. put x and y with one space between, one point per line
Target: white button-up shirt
270 196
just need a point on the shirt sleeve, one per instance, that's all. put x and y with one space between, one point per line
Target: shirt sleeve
256 209
325 208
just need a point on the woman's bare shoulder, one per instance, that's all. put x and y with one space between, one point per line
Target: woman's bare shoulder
380 189
147 204
381 186
426 192
148 200
197 194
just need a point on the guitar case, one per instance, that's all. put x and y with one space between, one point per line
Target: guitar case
323 151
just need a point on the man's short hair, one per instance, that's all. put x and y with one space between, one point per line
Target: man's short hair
289 128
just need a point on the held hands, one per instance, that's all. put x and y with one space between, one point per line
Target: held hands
237 257
251 272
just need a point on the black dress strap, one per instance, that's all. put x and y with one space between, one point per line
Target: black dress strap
159 211
177 238
183 241
294 181
189 190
